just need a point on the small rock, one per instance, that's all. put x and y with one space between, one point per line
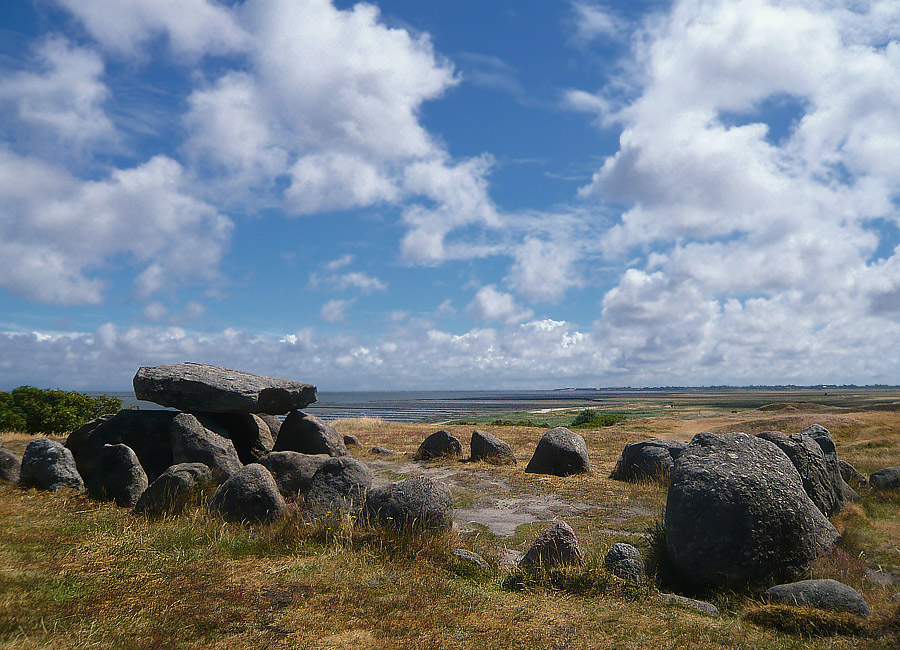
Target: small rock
625 561
417 502
292 470
647 460
309 435
48 465
491 449
250 495
340 484
381 451
697 605
560 452
351 441
440 444
193 443
824 594
119 477
471 559
885 479
201 387
851 475
170 493
10 466
556 546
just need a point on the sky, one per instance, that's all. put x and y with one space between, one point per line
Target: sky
407 195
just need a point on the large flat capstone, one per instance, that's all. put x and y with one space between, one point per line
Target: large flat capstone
201 387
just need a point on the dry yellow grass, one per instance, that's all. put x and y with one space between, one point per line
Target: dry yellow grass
79 574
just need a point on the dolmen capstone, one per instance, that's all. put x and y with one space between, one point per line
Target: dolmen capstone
417 503
48 465
737 514
440 444
647 460
556 546
201 387
560 452
490 449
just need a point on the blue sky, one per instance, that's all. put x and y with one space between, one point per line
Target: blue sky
427 195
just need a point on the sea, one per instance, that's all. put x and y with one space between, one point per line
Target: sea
427 406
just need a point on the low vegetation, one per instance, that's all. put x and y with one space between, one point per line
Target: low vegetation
37 410
75 573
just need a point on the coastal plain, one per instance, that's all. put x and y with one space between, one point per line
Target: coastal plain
75 573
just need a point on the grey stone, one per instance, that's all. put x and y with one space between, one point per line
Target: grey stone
471 559
174 489
491 449
647 460
191 442
10 466
625 561
48 465
417 502
309 435
292 470
381 451
77 437
146 432
273 422
250 435
440 444
824 594
819 481
823 438
697 605
119 476
737 514
249 495
851 475
885 479
621 551
351 441
200 387
340 484
560 452
557 545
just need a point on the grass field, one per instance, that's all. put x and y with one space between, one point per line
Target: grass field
79 574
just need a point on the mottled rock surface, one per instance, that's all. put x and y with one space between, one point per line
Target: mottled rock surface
689 603
198 387
851 475
249 495
737 514
489 448
560 452
118 477
440 444
48 465
249 433
885 479
647 460
417 502
824 594
191 442
309 435
557 545
174 489
10 466
292 470
340 484
819 480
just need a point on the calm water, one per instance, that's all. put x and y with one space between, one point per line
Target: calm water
421 406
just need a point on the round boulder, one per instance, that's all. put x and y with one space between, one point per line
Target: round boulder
556 546
119 477
194 443
440 444
737 514
885 479
48 465
10 466
647 460
417 502
292 470
249 495
825 594
491 449
560 452
625 561
309 435
340 484
174 489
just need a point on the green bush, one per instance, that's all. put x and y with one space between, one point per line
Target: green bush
594 418
38 410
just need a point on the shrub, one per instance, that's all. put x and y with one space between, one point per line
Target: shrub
37 410
593 418
519 423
